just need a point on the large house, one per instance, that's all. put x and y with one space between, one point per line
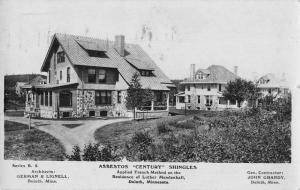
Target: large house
270 84
203 89
88 77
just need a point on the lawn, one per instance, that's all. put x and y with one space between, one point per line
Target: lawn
250 136
120 133
23 144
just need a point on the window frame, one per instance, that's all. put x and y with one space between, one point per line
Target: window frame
60 57
70 99
107 97
105 76
46 98
92 75
68 74
119 97
50 98
42 98
60 75
209 100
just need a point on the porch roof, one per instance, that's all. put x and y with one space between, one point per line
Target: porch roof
51 86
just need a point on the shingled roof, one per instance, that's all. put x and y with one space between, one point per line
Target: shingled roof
216 74
76 49
270 80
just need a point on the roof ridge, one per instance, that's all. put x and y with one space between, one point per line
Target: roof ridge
90 38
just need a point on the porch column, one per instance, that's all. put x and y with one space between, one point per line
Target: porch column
48 97
168 104
57 104
236 103
228 103
152 105
34 100
26 96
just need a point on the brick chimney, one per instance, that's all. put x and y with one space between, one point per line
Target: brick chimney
192 72
120 44
235 68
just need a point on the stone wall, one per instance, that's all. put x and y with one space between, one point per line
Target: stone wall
47 112
86 103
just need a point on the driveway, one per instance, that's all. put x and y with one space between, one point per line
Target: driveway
69 133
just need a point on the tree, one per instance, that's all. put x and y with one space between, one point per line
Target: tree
136 95
241 90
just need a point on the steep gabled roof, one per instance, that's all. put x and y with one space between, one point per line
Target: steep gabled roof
216 74
135 58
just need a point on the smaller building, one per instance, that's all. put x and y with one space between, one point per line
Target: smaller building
203 90
270 84
39 79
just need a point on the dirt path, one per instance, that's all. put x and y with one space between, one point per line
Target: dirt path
69 133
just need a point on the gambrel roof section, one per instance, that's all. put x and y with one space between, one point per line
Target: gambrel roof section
76 49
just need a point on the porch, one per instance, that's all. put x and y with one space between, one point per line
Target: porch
159 107
50 101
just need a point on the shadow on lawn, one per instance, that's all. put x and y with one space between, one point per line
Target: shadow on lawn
72 125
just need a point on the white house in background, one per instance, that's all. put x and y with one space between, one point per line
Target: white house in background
204 87
270 84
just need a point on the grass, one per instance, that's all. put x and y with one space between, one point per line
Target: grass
23 144
14 113
119 133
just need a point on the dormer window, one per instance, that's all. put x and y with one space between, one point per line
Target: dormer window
94 53
201 76
60 57
146 73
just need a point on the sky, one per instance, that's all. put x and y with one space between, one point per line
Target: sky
257 36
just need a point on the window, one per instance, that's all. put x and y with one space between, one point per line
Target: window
208 87
209 100
159 96
145 73
223 100
65 99
119 96
46 98
42 98
49 76
68 74
103 97
91 75
181 99
50 98
60 57
60 75
189 98
94 53
220 87
198 99
102 76
188 87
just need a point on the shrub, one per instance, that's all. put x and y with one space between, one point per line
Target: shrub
163 127
140 147
94 152
76 154
185 124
